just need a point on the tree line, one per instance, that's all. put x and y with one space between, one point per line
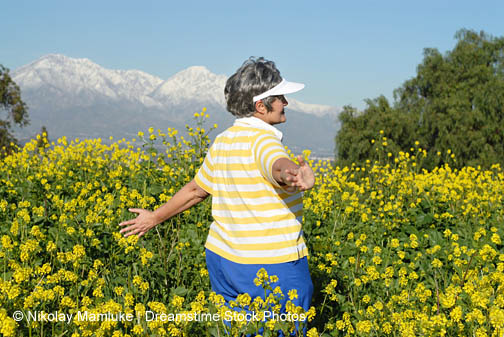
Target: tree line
454 105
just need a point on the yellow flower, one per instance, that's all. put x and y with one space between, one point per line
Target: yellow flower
437 263
7 242
270 324
387 328
128 300
456 314
8 326
310 314
140 309
137 280
243 299
364 326
340 325
119 290
292 294
138 330
177 301
203 272
97 292
67 302
312 333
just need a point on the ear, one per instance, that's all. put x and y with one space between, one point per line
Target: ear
260 108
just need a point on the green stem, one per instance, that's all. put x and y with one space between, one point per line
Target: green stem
437 293
323 305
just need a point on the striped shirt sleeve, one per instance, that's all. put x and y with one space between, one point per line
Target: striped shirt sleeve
205 176
266 150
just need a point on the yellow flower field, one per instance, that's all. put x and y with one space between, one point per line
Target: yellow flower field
394 250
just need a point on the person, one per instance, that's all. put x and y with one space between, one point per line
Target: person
256 192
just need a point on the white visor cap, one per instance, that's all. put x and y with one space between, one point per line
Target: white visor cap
282 88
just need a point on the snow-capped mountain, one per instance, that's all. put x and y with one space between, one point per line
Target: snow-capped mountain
196 83
74 77
78 98
313 109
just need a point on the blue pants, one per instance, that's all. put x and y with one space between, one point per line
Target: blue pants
230 279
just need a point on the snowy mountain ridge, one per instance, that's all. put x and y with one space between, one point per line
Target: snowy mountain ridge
78 76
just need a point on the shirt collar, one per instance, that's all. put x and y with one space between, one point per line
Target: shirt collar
258 123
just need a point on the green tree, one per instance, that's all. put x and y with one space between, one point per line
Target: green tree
17 112
455 102
379 122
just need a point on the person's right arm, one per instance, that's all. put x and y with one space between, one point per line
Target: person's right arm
186 197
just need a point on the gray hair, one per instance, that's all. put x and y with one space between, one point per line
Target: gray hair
255 76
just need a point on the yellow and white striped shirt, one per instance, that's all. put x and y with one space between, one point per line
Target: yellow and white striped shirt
255 220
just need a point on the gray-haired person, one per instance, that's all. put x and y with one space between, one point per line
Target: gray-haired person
256 193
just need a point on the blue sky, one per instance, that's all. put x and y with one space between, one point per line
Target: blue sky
343 51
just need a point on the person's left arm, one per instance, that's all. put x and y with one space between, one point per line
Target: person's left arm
288 173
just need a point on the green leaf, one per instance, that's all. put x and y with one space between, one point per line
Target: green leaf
179 291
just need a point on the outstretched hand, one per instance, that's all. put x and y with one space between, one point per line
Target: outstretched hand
141 224
302 178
